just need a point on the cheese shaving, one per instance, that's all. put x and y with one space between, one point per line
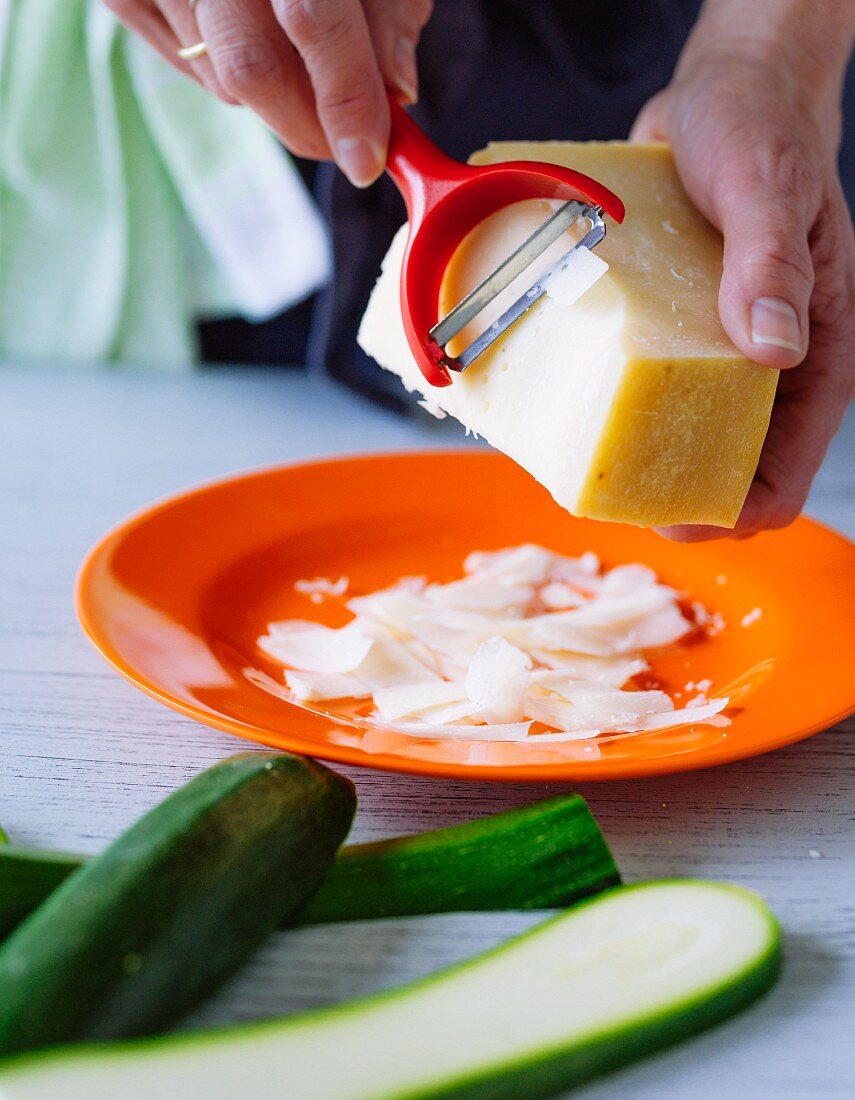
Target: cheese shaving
529 645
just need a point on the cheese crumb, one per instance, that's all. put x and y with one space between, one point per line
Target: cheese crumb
711 624
321 588
753 615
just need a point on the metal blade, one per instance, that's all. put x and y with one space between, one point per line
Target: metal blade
470 306
524 303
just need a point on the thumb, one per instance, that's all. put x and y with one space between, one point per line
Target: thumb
768 273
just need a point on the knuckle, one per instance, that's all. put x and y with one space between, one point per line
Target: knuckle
314 23
346 103
833 250
832 304
780 173
243 67
787 165
776 257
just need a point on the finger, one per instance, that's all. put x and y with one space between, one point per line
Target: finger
807 415
146 21
811 401
332 38
693 532
181 17
395 28
258 66
652 121
768 274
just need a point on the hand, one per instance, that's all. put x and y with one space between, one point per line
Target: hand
754 123
314 70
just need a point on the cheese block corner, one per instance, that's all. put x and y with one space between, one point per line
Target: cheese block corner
631 404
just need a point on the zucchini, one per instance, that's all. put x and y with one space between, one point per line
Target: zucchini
27 877
141 933
544 855
613 979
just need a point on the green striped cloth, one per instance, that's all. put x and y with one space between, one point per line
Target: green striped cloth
131 201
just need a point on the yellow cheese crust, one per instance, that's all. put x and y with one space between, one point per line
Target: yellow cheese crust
681 443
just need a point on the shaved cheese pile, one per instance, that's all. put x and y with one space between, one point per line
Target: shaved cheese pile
528 645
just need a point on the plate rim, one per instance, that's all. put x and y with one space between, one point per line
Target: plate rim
571 771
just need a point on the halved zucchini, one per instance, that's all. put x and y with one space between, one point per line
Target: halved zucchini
611 980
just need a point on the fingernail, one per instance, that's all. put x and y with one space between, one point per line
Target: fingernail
405 69
775 322
360 161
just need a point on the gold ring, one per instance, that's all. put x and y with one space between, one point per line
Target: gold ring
190 53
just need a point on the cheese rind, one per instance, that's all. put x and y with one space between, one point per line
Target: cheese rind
630 404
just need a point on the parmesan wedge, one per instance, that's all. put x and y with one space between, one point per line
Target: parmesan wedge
629 404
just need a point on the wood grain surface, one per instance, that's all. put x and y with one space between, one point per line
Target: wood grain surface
82 753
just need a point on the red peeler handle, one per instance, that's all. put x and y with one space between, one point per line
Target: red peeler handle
445 200
421 171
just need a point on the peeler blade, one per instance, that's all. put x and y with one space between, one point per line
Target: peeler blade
469 307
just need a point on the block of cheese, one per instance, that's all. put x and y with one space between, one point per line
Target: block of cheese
630 404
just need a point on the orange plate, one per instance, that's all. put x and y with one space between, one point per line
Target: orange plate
176 596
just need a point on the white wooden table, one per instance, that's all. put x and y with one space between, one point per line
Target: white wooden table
82 753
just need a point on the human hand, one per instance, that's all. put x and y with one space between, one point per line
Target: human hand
753 118
314 70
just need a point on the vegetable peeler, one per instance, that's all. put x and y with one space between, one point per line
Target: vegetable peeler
445 200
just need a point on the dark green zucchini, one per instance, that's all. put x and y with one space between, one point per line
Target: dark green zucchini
541 856
143 932
27 877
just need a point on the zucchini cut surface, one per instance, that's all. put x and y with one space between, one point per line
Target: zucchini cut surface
609 981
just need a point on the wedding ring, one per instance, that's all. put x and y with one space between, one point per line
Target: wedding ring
198 49
190 53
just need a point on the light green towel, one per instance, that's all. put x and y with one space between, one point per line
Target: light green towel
131 201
